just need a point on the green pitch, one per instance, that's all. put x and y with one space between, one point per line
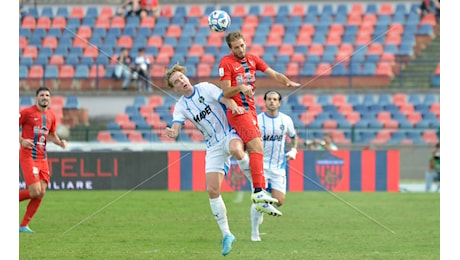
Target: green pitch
179 225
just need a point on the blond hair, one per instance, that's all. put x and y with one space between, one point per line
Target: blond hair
233 36
175 68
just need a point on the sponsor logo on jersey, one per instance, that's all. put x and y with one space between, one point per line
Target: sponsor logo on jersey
202 115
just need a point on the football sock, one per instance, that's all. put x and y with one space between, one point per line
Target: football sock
24 195
255 219
220 214
244 166
257 170
32 208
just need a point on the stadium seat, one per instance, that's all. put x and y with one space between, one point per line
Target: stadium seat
28 22
77 12
35 72
43 22
104 136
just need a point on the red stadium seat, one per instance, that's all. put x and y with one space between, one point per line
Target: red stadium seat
298 10
369 19
428 18
437 71
394 39
251 20
103 22
308 99
354 19
77 12
239 11
125 41
339 100
30 51
105 137
122 117
163 58
23 42
337 29
166 11
28 22
384 69
333 39
435 108
396 28
148 21
127 125
195 11
155 100
383 136
257 49
345 108
277 29
35 72
59 22
414 117
353 117
97 71
298 57
363 39
430 136
66 71
158 70
173 31
118 22
391 124
106 11
166 50
303 39
84 32
208 58
292 69
314 109
316 49
357 9
43 22
215 39
56 60
366 29
406 108
196 50
308 29
375 48
204 70
155 40
383 116
386 9
388 57
330 123
57 101
80 42
399 99
274 40
136 137
50 41
269 10
307 117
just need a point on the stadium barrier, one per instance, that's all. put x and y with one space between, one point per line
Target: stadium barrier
338 171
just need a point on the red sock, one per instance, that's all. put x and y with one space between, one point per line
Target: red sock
257 170
24 195
32 207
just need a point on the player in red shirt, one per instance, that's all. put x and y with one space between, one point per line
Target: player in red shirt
38 124
149 7
237 73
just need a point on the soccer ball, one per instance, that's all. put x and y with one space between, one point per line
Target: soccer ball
219 21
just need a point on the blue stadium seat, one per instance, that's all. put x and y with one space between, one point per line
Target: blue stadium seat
62 11
81 72
23 72
47 11
150 136
119 136
72 102
430 98
415 99
112 125
354 99
384 99
308 69
26 101
41 60
254 10
51 72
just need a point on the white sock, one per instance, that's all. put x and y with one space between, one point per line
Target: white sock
220 214
244 166
255 219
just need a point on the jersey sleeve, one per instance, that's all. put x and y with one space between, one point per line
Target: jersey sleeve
260 63
211 90
225 72
178 114
290 130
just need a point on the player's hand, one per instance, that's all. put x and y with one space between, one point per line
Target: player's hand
238 110
247 90
291 84
291 154
170 133
27 143
63 144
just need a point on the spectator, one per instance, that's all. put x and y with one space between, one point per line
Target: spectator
124 67
129 8
149 8
433 175
326 144
142 70
430 6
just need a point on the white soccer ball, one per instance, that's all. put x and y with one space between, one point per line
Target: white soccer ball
219 21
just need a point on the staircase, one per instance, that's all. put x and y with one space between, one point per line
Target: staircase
416 73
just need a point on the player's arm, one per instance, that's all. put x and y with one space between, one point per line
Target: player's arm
53 137
231 104
281 78
293 152
174 130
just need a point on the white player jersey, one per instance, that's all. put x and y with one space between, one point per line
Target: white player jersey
205 111
274 131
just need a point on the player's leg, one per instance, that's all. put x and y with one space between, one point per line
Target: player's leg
215 171
428 180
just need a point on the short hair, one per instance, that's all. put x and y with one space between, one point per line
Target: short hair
175 68
40 89
233 36
141 49
272 92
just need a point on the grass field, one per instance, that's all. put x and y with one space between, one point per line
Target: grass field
167 225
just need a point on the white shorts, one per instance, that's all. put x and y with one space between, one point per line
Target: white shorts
218 155
276 179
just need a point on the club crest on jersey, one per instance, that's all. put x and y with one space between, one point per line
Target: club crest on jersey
282 127
201 99
329 169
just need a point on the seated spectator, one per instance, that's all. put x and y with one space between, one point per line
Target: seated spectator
326 144
433 175
22 10
142 70
124 67
129 8
149 8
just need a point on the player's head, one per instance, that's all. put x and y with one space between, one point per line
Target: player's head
236 43
327 137
43 97
272 101
177 79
